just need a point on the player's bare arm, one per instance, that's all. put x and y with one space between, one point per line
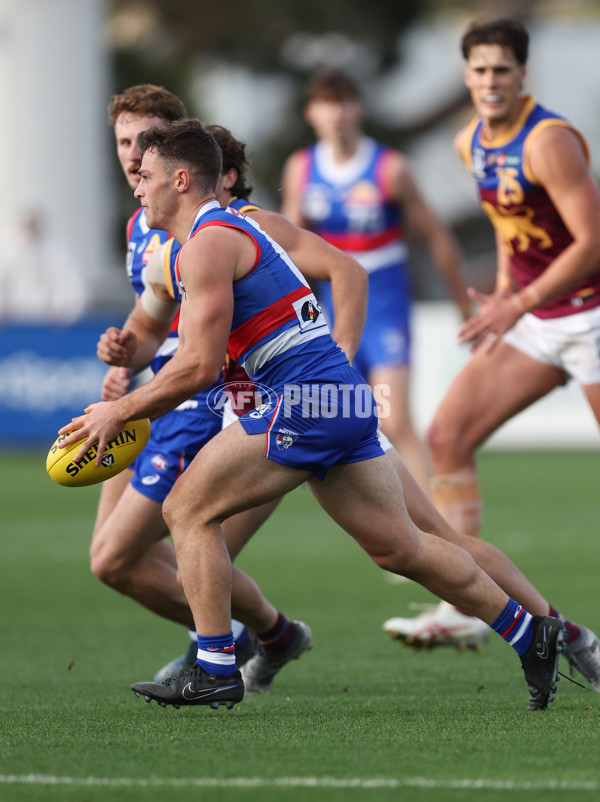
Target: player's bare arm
504 276
317 259
208 264
422 220
136 344
558 161
148 323
290 206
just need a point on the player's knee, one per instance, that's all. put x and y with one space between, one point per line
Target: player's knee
108 569
172 512
443 439
179 508
398 560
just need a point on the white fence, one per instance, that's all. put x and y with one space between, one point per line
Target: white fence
561 420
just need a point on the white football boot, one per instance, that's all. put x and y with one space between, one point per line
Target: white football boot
441 625
584 654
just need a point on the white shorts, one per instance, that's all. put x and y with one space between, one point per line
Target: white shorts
384 441
229 415
571 343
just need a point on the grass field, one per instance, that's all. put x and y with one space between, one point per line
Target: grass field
358 718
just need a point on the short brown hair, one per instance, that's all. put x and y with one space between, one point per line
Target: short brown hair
146 100
185 143
504 31
234 158
333 86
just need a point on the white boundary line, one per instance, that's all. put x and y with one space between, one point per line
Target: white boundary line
300 782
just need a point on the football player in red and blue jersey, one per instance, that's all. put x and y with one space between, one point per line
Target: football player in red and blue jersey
361 196
129 551
243 294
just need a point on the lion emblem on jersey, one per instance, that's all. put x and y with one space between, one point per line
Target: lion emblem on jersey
517 224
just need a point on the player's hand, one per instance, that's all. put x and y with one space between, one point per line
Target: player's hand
497 314
116 383
100 424
116 346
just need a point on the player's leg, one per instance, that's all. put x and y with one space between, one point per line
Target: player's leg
238 529
397 423
366 499
110 492
592 392
443 624
228 476
247 602
123 556
159 554
489 390
248 605
493 561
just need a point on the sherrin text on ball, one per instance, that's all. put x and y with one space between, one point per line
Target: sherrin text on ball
120 452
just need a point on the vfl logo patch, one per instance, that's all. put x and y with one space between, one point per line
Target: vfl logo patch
159 462
285 438
107 460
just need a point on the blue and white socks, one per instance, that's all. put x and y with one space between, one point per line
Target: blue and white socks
216 654
514 625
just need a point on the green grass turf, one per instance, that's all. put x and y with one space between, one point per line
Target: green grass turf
358 709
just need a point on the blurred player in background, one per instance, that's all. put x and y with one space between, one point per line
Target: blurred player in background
541 326
362 196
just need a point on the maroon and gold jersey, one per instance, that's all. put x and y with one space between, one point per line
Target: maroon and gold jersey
520 209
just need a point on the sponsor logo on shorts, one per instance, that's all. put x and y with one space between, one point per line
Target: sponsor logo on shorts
151 480
286 438
191 403
160 462
259 411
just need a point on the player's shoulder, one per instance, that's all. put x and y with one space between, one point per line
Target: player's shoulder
463 139
553 142
300 158
395 170
133 219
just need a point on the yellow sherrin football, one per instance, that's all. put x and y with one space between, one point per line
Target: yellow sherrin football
119 454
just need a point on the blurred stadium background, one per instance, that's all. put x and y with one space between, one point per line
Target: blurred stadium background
64 205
